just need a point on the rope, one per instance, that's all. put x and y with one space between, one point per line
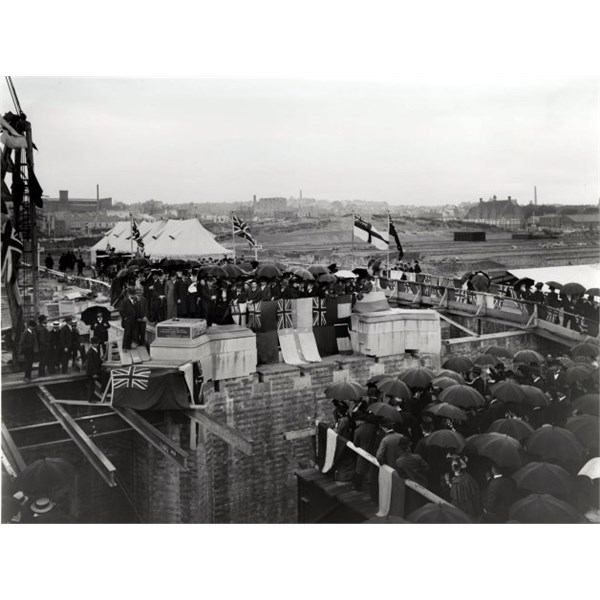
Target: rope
13 94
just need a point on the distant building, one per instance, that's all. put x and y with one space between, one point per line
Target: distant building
501 213
588 221
269 206
66 204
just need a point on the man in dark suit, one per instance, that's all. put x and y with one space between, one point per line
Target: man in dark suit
66 343
27 343
411 466
477 382
366 436
99 329
141 315
43 340
181 295
55 348
128 318
93 370
499 494
389 447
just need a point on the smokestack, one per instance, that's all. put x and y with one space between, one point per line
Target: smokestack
535 195
97 196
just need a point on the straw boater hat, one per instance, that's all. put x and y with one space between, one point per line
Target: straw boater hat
42 505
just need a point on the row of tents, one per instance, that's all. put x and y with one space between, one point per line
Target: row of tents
185 239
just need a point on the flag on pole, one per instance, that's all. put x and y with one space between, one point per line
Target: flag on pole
137 236
12 250
393 235
365 231
241 229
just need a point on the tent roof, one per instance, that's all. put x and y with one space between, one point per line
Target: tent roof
586 275
183 239
164 239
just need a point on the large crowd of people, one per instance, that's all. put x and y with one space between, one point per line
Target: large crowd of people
483 489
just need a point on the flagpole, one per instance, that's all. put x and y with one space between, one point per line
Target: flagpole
233 235
131 225
353 221
389 241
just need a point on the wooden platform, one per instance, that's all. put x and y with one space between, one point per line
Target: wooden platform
15 381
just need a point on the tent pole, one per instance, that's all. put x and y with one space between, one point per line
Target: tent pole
233 236
353 221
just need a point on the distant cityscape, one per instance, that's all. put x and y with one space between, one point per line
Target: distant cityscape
88 217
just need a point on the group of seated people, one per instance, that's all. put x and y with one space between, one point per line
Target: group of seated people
474 484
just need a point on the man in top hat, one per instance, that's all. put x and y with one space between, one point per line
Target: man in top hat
539 298
43 340
128 314
93 369
99 330
28 345
389 447
67 341
477 382
55 347
264 289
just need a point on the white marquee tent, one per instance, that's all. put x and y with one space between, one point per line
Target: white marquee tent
185 239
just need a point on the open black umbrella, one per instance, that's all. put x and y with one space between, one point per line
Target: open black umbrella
555 444
318 270
234 272
554 284
88 316
534 397
304 274
498 351
543 508
214 271
446 438
508 391
515 428
462 395
573 289
460 364
452 374
588 404
503 450
45 475
526 281
345 390
579 372
486 360
417 377
585 349
373 380
361 272
386 411
444 382
480 282
395 388
438 514
448 411
269 271
528 357
138 262
586 429
545 478
326 278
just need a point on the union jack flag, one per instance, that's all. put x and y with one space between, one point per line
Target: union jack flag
136 235
319 312
241 229
130 377
254 314
284 314
12 250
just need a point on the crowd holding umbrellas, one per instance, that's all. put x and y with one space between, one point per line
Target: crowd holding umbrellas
498 437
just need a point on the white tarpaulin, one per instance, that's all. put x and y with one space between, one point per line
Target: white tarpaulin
186 239
586 275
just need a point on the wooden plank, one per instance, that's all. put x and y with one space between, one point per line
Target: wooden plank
224 432
10 451
299 434
154 437
135 356
93 454
458 325
143 353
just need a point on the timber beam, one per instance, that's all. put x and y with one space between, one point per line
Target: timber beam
11 457
92 453
154 437
224 432
458 325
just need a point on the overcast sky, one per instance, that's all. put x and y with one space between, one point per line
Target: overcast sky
400 141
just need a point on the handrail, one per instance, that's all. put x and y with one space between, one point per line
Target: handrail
61 275
526 307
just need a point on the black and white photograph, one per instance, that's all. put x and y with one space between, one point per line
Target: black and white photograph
272 272
189 339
